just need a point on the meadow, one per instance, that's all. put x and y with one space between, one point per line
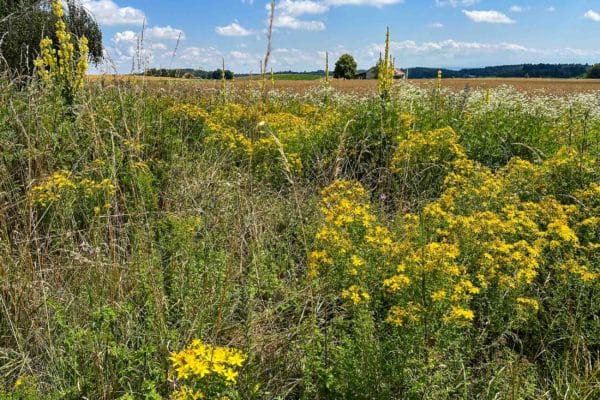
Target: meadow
169 239
430 243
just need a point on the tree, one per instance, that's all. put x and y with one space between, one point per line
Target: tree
345 67
594 72
23 24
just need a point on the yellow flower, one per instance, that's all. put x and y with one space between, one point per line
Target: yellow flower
438 295
230 375
528 302
355 294
460 315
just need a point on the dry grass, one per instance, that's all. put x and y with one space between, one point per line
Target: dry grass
530 85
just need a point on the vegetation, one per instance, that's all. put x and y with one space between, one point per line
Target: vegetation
24 23
188 73
183 244
345 67
506 71
594 72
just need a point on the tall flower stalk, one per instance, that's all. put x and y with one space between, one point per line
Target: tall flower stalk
386 70
60 64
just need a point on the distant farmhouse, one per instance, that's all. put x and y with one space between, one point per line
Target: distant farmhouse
372 74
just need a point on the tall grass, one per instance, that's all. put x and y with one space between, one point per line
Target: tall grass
214 214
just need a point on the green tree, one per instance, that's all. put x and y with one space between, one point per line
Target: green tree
594 72
345 67
23 23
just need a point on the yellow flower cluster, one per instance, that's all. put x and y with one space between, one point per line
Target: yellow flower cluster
355 294
355 247
190 111
62 182
50 190
488 234
422 150
201 362
399 316
60 65
187 393
266 137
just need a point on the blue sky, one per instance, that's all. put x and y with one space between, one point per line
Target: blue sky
432 33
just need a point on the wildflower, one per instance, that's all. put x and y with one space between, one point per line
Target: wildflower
62 66
460 315
533 304
355 294
201 360
438 295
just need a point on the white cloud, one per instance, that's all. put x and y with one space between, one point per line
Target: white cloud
291 22
456 3
449 45
374 3
233 29
302 7
155 50
516 9
163 32
125 37
490 17
150 35
288 13
436 25
592 16
107 12
158 46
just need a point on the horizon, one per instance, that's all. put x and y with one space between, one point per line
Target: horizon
315 71
447 34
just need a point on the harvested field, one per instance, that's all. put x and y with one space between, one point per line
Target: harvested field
531 85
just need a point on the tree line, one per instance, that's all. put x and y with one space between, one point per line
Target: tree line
509 71
188 73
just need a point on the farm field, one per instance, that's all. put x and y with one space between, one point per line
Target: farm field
530 85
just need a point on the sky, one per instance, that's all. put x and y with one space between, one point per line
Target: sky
429 33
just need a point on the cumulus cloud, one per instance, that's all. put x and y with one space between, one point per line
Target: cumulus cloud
455 3
233 29
291 22
516 9
490 17
124 37
374 3
164 33
449 45
592 16
107 12
156 49
289 12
